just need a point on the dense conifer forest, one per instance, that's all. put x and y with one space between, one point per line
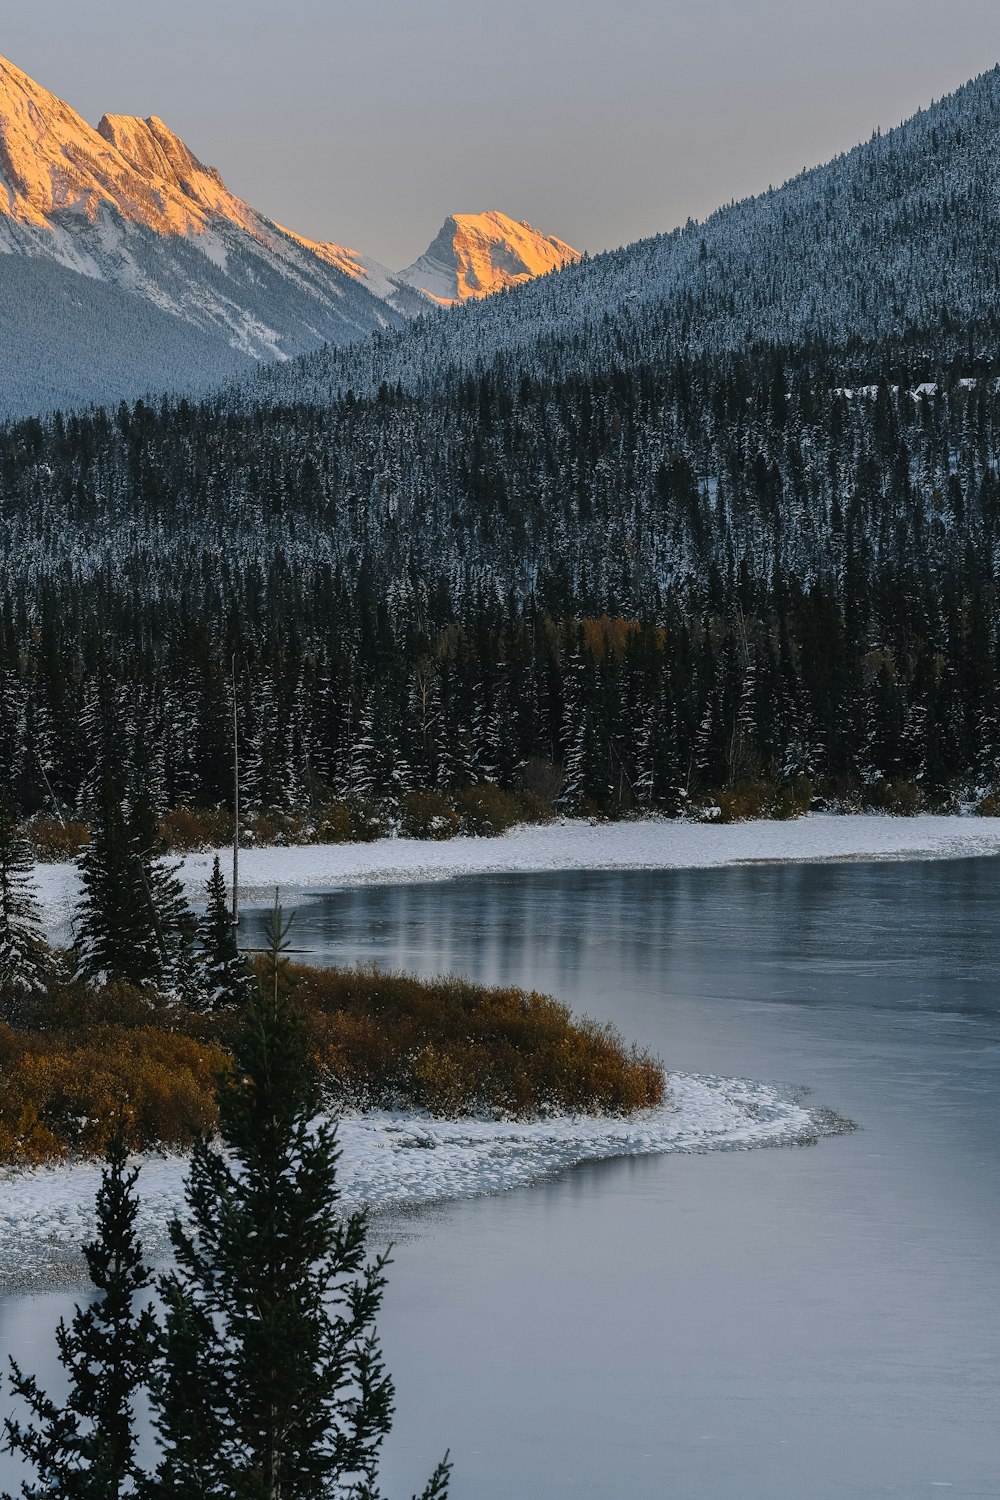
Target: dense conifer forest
630 590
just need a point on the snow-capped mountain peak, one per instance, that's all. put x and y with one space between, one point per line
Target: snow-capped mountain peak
474 255
128 204
175 174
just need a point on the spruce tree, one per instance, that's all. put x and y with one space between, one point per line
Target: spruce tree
225 981
115 934
271 1384
133 922
173 921
85 1449
24 955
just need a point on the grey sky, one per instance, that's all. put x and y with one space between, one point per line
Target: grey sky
368 122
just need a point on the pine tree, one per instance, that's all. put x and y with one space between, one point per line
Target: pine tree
225 981
173 921
86 1448
133 922
271 1384
114 932
24 956
573 733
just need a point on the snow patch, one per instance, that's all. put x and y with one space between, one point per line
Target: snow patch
650 844
389 1160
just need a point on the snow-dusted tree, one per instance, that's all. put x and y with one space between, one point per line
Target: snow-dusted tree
271 1384
132 922
85 1449
224 981
573 733
361 768
24 955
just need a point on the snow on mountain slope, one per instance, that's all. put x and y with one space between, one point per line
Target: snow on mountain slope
477 254
376 278
129 205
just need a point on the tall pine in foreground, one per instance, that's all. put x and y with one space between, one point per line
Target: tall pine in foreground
271 1384
85 1449
24 954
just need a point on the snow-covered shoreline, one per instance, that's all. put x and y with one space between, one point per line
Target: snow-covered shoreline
395 1160
650 844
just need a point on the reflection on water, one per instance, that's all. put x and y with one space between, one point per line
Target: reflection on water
795 1324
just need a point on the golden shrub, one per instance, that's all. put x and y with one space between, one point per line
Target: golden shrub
454 1047
428 815
59 1094
188 828
54 842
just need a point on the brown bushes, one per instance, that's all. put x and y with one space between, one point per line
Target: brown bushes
83 1054
428 815
761 799
53 841
486 809
60 1094
453 1048
188 828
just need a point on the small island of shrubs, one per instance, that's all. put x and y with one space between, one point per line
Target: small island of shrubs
149 1005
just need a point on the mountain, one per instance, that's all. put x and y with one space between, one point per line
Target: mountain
127 205
890 245
475 255
152 233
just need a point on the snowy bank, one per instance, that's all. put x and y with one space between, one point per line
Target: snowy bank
653 844
390 1160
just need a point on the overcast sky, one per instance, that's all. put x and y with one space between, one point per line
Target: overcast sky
597 120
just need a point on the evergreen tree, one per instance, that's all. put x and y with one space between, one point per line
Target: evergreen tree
24 956
224 979
133 922
114 932
271 1384
85 1449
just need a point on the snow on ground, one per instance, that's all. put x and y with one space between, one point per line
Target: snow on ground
653 844
390 1160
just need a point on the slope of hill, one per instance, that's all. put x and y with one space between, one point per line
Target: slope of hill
893 243
70 342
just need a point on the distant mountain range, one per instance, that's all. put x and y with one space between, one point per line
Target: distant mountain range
127 265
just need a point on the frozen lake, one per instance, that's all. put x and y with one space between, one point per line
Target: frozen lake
818 1322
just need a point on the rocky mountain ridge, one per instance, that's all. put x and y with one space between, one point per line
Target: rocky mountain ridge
127 204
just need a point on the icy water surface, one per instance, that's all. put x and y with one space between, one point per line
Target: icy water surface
792 1324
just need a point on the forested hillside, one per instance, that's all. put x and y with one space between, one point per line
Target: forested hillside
891 244
662 582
